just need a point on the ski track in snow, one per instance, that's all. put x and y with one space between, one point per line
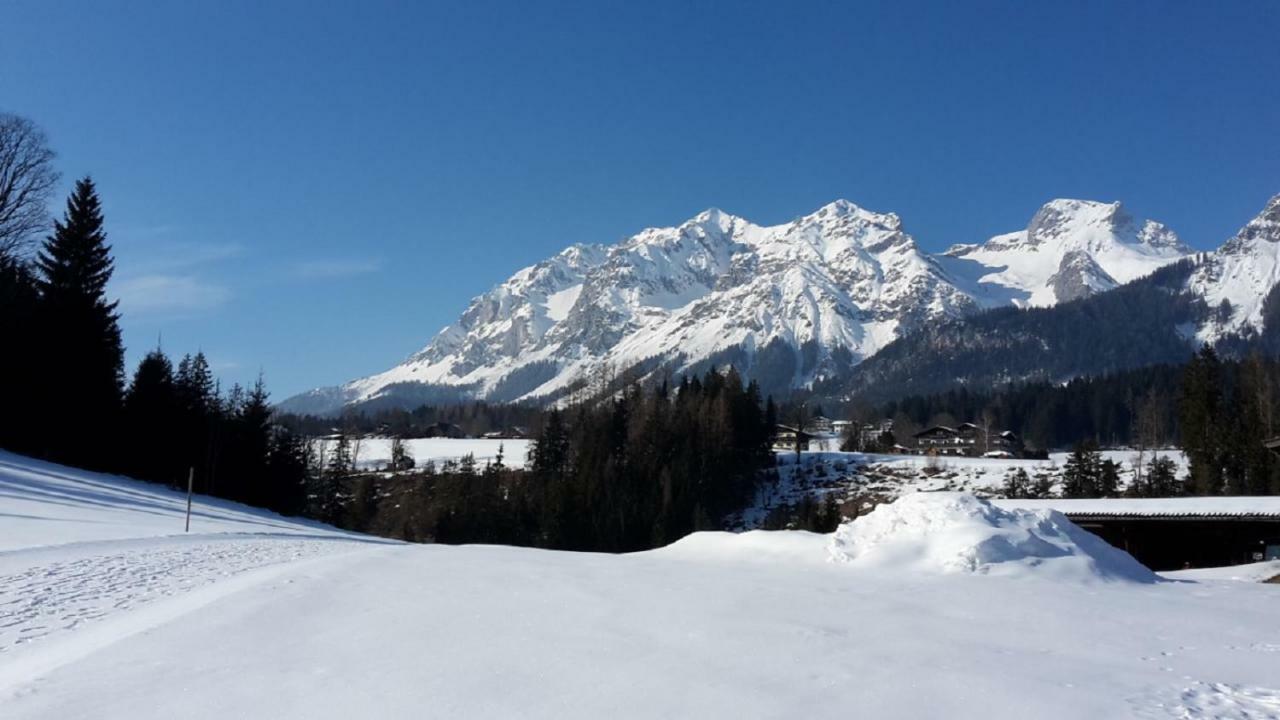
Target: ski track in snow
48 599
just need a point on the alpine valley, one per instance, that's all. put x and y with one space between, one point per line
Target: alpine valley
844 301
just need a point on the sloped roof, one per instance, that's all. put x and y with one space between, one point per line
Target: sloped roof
936 427
1238 507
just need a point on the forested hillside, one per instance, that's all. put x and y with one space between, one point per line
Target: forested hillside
1139 324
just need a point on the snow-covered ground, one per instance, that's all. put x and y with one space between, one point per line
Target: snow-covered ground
375 453
43 503
255 616
1252 572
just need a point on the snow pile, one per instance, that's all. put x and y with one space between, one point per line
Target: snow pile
793 547
960 533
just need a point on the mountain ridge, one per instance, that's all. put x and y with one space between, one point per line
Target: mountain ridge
789 304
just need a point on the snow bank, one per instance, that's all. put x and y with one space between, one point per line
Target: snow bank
779 546
960 533
1252 572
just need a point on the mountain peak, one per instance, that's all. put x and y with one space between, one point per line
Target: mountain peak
1264 227
713 218
1065 216
842 212
839 206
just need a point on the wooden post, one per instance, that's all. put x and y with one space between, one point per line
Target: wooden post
191 477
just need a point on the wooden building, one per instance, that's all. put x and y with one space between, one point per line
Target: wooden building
966 439
1174 533
786 437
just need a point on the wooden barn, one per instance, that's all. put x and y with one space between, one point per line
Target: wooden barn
1176 533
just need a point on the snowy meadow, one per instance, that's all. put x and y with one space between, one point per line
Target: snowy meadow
939 604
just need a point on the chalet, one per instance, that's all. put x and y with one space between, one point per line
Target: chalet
870 433
819 425
786 437
967 439
1173 533
944 440
511 433
444 430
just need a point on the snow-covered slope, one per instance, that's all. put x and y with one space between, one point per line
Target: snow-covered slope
1070 249
253 626
1236 280
43 504
785 304
87 559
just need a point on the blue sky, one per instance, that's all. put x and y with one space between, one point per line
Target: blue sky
313 189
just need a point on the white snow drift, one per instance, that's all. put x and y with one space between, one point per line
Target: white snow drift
957 532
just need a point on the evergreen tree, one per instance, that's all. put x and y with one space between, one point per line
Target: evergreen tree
287 464
1108 478
199 411
1081 475
1162 477
361 512
22 378
1200 411
151 422
1042 488
1017 484
467 465
83 359
328 500
402 458
245 445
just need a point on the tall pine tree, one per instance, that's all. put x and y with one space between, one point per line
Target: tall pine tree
21 366
151 423
1200 410
83 356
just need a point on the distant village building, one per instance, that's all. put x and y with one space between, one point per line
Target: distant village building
786 437
512 433
967 439
444 430
870 433
819 425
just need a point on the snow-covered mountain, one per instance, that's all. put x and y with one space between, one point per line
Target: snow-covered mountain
1237 280
786 304
1228 298
1070 249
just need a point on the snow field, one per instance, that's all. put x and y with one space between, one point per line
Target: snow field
299 622
375 453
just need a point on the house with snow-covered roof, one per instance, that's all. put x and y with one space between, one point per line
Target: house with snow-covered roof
966 439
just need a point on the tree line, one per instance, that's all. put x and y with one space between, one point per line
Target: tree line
635 471
62 373
473 418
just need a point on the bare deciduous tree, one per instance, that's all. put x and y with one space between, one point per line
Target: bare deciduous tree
27 179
